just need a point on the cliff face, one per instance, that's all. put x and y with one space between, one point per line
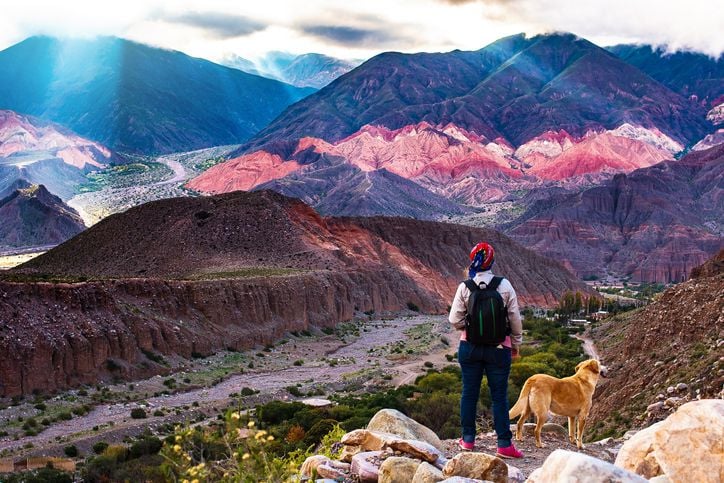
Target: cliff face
228 271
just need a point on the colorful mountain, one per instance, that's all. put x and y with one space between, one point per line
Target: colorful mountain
44 153
32 216
655 224
135 98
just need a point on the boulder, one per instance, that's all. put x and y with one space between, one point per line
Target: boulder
660 479
366 466
416 449
477 465
333 470
688 445
461 479
636 454
348 452
571 467
367 440
398 469
515 475
310 465
427 473
394 422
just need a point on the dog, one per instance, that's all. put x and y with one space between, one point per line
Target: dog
570 396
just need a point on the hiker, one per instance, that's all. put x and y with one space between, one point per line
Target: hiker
485 309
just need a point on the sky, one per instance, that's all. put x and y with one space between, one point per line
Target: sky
215 29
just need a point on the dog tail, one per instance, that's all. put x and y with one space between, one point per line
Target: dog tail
522 404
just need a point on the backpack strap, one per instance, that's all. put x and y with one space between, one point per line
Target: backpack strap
494 283
471 285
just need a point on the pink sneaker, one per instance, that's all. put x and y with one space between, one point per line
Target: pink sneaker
509 452
466 446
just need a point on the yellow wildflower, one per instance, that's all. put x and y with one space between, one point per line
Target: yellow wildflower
270 438
246 456
177 448
235 416
250 424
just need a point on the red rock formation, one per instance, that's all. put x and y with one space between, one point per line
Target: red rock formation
231 270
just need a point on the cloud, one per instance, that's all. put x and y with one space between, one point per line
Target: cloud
217 24
350 35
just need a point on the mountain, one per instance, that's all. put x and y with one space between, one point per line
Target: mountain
673 342
44 153
136 98
655 224
306 70
187 276
516 88
32 216
688 73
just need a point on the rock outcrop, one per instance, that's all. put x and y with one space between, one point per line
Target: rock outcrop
686 446
573 467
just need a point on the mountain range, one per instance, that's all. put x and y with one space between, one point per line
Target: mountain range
135 98
305 70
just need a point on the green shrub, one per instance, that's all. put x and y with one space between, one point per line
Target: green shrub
100 447
71 451
138 413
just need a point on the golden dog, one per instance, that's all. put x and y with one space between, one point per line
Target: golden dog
570 396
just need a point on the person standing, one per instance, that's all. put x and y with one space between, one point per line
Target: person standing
485 309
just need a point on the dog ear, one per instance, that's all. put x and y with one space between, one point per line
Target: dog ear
578 366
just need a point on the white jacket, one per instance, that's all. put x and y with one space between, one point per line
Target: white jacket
459 307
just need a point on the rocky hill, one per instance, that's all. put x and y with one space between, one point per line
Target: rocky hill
193 275
655 224
31 216
662 355
136 98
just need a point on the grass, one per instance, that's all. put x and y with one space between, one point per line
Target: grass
246 272
126 176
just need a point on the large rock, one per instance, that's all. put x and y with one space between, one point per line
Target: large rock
366 466
462 479
515 475
689 446
367 440
398 469
574 467
394 422
477 465
427 473
637 454
310 465
417 449
348 453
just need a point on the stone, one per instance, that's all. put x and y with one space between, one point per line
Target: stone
529 429
535 477
310 465
416 449
660 479
673 401
348 452
462 479
366 466
398 469
427 473
658 363
688 445
655 406
671 390
326 470
571 467
477 465
394 422
682 386
515 475
367 440
636 454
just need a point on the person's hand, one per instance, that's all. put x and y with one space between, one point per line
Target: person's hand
515 353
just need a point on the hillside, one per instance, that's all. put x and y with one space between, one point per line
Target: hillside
655 224
197 275
675 340
31 216
688 73
135 98
40 152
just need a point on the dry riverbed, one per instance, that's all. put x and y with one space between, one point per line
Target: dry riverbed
357 356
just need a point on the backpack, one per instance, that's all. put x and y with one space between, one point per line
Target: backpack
487 320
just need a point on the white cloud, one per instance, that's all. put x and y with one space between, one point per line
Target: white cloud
405 25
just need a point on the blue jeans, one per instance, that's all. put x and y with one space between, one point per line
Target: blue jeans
475 361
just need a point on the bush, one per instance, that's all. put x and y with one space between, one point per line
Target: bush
412 306
147 446
100 447
138 413
275 412
71 451
294 391
299 362
247 391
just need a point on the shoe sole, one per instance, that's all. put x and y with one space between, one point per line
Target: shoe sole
465 449
508 457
